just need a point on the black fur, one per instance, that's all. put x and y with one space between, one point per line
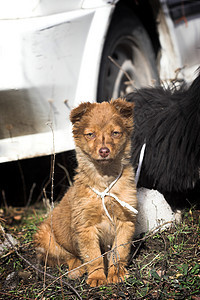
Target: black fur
169 122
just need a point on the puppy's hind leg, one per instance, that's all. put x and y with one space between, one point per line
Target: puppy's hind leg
46 246
49 250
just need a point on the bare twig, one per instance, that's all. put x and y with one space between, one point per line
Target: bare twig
67 173
45 186
31 194
136 250
23 181
46 202
125 73
46 257
4 199
52 163
52 203
61 283
66 102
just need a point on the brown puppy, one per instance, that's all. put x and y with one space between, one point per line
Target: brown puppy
88 222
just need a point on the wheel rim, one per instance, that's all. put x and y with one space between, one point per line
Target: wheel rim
129 70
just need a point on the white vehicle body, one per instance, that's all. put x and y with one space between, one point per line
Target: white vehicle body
50 57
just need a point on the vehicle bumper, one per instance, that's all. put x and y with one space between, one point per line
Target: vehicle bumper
44 62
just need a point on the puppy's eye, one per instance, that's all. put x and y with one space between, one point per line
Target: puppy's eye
90 135
116 134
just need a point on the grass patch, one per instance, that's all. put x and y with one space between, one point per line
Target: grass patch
166 266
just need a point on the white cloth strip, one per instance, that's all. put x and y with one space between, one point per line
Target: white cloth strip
140 163
106 193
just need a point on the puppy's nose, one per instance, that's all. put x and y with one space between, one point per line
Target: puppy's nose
104 152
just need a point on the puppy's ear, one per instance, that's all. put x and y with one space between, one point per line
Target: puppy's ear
77 113
125 108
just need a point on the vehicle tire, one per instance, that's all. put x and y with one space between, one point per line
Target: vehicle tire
128 44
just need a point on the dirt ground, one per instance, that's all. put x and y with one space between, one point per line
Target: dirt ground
163 265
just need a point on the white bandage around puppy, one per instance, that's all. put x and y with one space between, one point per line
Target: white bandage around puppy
107 193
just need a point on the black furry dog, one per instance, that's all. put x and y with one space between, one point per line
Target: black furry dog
168 121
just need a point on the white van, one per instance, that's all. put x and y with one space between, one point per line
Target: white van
56 54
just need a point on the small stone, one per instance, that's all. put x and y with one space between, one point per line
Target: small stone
154 212
11 281
6 245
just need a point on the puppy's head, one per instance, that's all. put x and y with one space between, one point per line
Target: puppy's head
102 130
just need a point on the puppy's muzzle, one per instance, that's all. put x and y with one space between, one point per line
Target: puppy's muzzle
104 152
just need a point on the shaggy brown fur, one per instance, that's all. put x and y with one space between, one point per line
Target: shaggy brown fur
78 230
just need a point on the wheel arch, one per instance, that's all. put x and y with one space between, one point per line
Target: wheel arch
146 11
129 15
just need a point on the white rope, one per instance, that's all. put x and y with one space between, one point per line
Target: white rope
107 193
140 163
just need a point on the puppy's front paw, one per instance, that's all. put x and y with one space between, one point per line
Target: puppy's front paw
117 274
96 278
76 274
